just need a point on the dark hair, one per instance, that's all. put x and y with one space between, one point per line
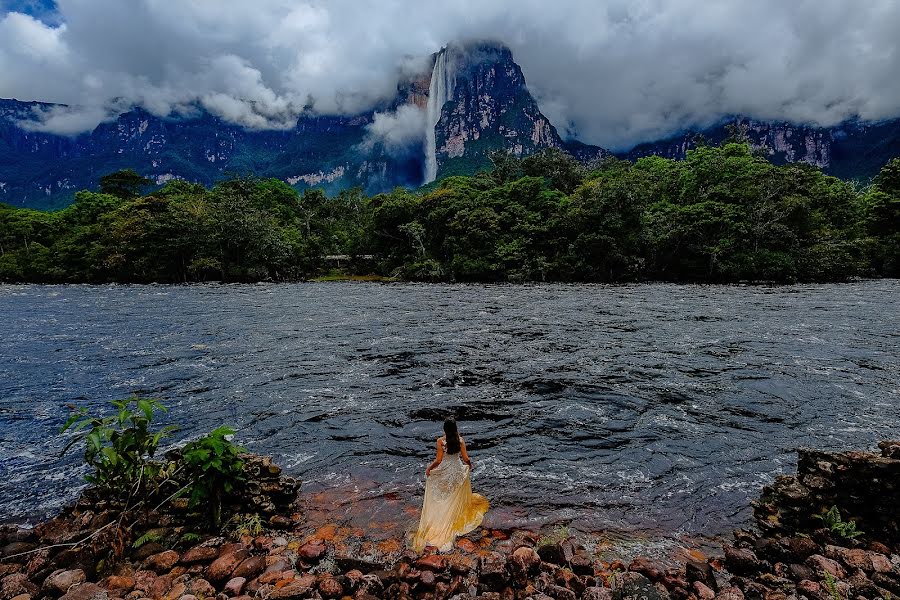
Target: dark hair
451 434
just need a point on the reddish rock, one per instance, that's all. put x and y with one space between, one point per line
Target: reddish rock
821 565
86 591
646 568
202 588
22 597
16 585
298 588
493 571
199 554
800 548
525 561
879 548
118 585
162 562
466 545
703 591
880 563
597 593
696 571
570 580
730 593
177 591
231 548
222 568
273 577
143 580
280 522
312 551
432 562
330 587
60 581
741 561
427 579
560 593
235 586
160 586
461 564
250 567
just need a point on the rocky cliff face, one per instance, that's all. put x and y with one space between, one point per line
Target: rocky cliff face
849 150
490 108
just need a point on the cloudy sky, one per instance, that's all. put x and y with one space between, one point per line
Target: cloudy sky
615 72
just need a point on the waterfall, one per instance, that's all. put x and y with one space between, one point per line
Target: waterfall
443 81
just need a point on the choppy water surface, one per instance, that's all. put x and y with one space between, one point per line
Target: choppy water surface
656 407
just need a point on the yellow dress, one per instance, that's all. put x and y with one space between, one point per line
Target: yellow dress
450 508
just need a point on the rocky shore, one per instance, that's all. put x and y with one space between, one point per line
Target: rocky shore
92 551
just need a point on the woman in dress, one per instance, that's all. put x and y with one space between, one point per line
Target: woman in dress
450 508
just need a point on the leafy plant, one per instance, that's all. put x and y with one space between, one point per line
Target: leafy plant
250 524
214 465
834 523
831 585
190 537
150 536
120 447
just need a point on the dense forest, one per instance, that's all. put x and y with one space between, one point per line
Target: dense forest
724 214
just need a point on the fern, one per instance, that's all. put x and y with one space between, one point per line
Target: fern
833 521
150 536
190 537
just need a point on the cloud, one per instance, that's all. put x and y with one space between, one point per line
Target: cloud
616 72
397 132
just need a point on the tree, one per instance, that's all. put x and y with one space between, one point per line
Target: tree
123 184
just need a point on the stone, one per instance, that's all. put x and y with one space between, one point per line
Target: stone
634 586
821 565
730 593
59 582
16 585
741 561
703 591
330 587
187 597
143 580
177 591
427 579
560 593
432 562
199 554
461 564
298 588
552 553
250 567
800 572
235 586
525 562
696 571
222 568
493 571
22 597
118 584
646 568
162 562
161 585
568 579
800 548
280 522
312 551
86 591
880 563
596 593
202 588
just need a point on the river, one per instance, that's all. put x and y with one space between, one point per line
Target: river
646 407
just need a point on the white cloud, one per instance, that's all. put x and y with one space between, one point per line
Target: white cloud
398 131
618 72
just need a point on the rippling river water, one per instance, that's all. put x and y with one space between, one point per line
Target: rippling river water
658 407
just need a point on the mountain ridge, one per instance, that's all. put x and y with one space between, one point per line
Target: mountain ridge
485 105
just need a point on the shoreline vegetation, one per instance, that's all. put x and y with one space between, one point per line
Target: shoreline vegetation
723 215
234 528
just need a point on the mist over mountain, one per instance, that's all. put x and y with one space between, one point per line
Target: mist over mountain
463 102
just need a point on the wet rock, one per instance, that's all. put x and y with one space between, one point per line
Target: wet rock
222 568
349 563
16 585
493 571
250 567
742 561
821 565
890 449
634 586
162 562
86 591
61 581
696 571
118 585
200 554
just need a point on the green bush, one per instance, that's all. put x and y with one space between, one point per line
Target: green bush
834 523
120 447
214 465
